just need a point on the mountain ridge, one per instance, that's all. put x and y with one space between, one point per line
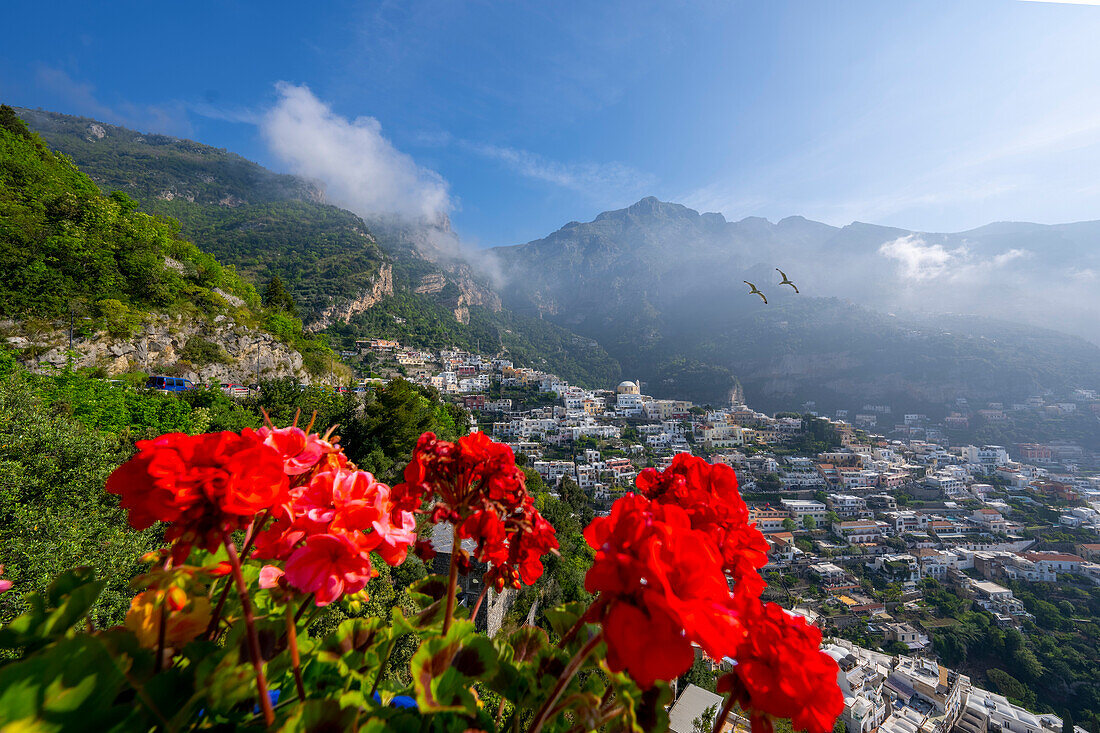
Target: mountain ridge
658 282
351 277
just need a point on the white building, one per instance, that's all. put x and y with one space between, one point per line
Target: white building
801 508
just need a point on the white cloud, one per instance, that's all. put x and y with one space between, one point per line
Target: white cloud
361 169
1005 257
920 260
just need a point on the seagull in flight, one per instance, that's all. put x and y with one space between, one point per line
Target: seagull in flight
786 280
756 291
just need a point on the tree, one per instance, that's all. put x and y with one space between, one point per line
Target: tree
701 675
789 525
278 298
831 518
1067 721
1007 685
705 722
385 432
769 482
809 523
788 581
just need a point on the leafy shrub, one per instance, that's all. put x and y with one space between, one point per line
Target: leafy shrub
118 320
200 351
214 629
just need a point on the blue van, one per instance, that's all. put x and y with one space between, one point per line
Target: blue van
169 384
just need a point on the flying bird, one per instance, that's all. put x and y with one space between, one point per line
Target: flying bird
786 281
754 290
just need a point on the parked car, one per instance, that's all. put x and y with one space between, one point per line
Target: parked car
169 384
235 390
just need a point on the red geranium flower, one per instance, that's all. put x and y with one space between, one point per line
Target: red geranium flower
710 497
328 566
663 580
342 503
300 452
201 485
781 672
480 489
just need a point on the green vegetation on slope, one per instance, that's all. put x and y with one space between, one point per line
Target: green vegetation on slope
65 248
425 321
269 225
147 166
1054 665
63 433
323 253
64 243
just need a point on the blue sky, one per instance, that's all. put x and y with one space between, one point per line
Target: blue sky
516 117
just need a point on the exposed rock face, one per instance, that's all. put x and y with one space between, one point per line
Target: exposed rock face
344 311
473 291
156 349
233 300
430 284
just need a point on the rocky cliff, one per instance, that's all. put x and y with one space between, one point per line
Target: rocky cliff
344 311
219 351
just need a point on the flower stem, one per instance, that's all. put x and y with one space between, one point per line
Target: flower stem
480 598
382 667
452 581
727 706
590 613
303 607
158 663
250 627
563 681
253 530
295 659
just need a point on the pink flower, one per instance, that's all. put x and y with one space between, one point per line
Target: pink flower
300 452
5 585
396 531
328 566
269 576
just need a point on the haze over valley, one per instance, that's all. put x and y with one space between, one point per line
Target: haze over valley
883 314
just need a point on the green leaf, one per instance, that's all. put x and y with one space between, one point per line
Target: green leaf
476 658
68 582
564 617
319 715
428 590
227 684
527 642
70 685
67 601
445 668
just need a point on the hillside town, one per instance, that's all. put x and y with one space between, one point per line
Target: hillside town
867 531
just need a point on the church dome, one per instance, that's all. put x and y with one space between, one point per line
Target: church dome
627 387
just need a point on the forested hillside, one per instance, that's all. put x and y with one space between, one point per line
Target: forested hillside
65 245
344 278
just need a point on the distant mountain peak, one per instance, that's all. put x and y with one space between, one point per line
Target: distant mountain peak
650 207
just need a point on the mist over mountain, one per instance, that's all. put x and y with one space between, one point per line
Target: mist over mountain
353 275
660 286
655 289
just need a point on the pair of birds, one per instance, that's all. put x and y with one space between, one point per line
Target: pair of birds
755 291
